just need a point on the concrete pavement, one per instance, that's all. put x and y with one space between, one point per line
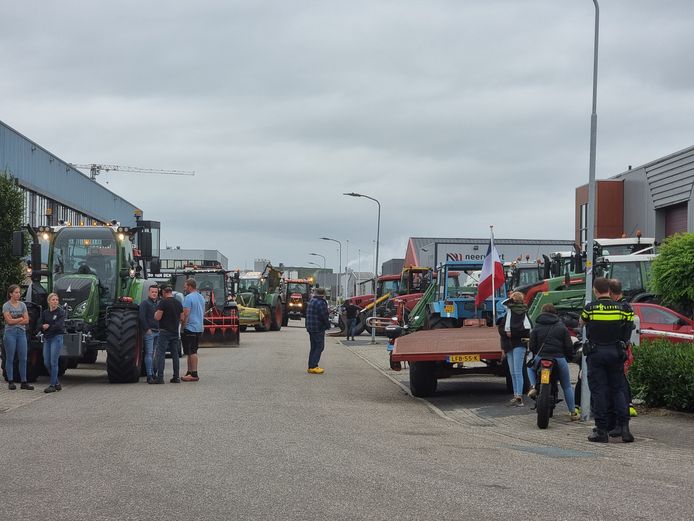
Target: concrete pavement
259 438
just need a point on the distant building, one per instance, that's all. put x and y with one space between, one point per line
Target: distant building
175 259
392 266
431 251
259 264
656 199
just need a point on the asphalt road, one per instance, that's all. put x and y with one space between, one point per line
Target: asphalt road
259 438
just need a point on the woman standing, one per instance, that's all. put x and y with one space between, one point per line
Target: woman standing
517 327
16 316
53 327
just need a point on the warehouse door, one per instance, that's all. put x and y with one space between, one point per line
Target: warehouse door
675 219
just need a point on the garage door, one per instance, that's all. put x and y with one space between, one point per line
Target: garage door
676 219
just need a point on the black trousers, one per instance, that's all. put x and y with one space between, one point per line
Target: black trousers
608 387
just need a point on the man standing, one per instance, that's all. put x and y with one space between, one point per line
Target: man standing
169 314
606 321
193 311
317 322
351 314
150 327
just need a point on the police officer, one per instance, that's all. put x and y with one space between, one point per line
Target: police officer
606 322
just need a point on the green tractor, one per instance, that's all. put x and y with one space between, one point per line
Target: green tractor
100 276
260 299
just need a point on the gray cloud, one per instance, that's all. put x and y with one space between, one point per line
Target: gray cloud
456 115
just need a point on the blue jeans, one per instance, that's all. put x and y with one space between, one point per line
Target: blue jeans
317 346
351 324
564 379
171 342
51 354
150 345
516 360
15 342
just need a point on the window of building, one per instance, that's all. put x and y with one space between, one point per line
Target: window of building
583 224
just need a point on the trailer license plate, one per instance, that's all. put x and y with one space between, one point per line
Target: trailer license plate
544 376
449 308
458 359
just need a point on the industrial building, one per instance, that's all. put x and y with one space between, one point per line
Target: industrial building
176 258
655 199
432 251
55 191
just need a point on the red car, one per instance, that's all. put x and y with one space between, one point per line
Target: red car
661 322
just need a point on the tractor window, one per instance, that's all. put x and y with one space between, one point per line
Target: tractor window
459 283
528 276
211 286
294 287
246 285
87 251
629 273
388 286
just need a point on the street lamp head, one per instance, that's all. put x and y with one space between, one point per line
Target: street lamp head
314 254
352 194
325 238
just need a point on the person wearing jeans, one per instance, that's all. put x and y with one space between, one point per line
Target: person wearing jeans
53 327
16 317
517 328
150 327
317 323
169 314
550 339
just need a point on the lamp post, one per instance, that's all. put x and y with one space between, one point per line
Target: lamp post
590 254
339 268
378 233
319 255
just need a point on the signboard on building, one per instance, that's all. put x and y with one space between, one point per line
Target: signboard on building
436 253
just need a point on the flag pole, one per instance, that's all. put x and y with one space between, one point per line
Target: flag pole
491 229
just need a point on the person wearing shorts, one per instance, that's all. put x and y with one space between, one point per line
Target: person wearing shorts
193 311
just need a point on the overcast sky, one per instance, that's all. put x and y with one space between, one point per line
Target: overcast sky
455 114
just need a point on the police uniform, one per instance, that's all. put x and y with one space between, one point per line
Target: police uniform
608 326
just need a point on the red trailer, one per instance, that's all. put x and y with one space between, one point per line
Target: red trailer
441 353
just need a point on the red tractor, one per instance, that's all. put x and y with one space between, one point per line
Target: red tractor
297 293
217 286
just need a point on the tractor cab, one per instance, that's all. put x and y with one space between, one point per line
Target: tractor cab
634 272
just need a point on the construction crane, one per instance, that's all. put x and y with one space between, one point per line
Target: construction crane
96 169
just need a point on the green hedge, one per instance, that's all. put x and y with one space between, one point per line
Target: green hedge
663 374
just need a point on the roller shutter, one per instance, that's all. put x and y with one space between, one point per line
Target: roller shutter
676 219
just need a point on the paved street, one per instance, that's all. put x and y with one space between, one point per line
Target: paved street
259 438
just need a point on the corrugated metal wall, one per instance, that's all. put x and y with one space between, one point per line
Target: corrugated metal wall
39 170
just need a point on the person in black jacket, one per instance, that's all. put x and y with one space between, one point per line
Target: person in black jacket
53 328
550 339
517 327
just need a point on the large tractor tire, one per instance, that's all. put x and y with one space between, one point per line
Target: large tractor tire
123 345
277 317
360 326
423 378
267 321
435 321
90 356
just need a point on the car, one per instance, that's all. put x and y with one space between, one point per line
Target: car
660 322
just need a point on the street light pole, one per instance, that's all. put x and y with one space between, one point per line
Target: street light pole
378 237
339 283
321 256
590 238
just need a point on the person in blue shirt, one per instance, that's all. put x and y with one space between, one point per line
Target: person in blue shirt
193 311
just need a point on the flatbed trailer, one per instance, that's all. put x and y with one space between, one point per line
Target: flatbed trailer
442 353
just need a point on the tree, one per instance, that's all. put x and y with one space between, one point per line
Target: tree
672 273
11 213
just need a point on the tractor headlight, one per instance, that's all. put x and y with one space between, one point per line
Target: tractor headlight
81 308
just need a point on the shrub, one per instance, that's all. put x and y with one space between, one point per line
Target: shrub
663 374
11 209
672 274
